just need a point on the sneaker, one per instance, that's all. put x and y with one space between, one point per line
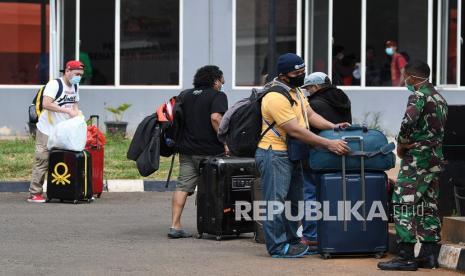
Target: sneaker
292 251
36 199
399 263
312 250
178 234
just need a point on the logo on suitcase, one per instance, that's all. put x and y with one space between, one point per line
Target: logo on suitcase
63 178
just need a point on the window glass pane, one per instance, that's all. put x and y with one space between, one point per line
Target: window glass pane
405 24
462 48
252 37
449 42
97 41
24 46
150 42
347 26
69 31
318 36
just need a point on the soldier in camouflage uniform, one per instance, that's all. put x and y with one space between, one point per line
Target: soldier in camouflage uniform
416 193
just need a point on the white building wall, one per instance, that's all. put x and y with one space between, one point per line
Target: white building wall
204 42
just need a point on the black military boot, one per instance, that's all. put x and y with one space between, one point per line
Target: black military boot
405 260
428 256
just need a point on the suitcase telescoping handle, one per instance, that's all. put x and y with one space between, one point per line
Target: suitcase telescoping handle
362 179
91 118
97 117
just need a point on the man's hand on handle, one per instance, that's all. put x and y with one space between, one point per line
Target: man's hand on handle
342 125
226 150
339 147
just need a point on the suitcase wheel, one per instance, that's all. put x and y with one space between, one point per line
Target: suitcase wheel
89 200
326 256
61 200
219 238
75 201
199 235
48 199
379 255
238 235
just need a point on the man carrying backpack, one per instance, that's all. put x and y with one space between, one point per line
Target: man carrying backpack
59 102
281 150
203 107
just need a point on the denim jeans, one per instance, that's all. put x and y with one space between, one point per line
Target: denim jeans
309 226
282 180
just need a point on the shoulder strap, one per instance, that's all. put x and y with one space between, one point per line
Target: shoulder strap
386 149
281 90
75 88
60 88
38 101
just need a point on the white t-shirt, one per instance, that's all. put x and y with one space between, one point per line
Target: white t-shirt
67 99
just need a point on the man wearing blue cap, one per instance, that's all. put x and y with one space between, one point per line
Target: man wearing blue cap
332 104
284 144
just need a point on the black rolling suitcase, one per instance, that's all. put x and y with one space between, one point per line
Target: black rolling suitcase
223 181
69 176
347 235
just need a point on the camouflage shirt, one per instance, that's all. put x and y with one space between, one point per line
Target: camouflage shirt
423 124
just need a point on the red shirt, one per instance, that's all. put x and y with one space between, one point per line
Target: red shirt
397 63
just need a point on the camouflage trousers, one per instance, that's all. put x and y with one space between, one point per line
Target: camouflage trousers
415 201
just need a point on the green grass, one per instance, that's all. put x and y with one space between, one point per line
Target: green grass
16 157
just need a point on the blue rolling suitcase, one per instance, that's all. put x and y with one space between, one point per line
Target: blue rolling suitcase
347 234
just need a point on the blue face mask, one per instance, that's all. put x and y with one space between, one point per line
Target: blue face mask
389 51
222 88
75 80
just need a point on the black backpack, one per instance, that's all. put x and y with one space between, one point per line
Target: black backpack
36 107
245 125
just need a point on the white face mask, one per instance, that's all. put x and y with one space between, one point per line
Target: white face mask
222 88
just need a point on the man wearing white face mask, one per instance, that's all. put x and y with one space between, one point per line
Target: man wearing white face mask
60 103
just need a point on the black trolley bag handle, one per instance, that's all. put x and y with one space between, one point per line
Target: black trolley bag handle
362 180
97 117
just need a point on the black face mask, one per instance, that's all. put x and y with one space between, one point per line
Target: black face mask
297 81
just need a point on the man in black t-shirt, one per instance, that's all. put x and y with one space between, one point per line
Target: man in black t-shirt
203 108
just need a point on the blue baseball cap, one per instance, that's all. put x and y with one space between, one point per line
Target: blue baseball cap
289 62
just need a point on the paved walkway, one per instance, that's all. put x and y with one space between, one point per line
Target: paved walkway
125 234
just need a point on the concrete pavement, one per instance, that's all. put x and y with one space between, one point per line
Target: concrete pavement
125 234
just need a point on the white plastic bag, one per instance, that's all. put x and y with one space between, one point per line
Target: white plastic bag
70 134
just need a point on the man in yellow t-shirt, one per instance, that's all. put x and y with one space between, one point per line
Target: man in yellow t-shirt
282 179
